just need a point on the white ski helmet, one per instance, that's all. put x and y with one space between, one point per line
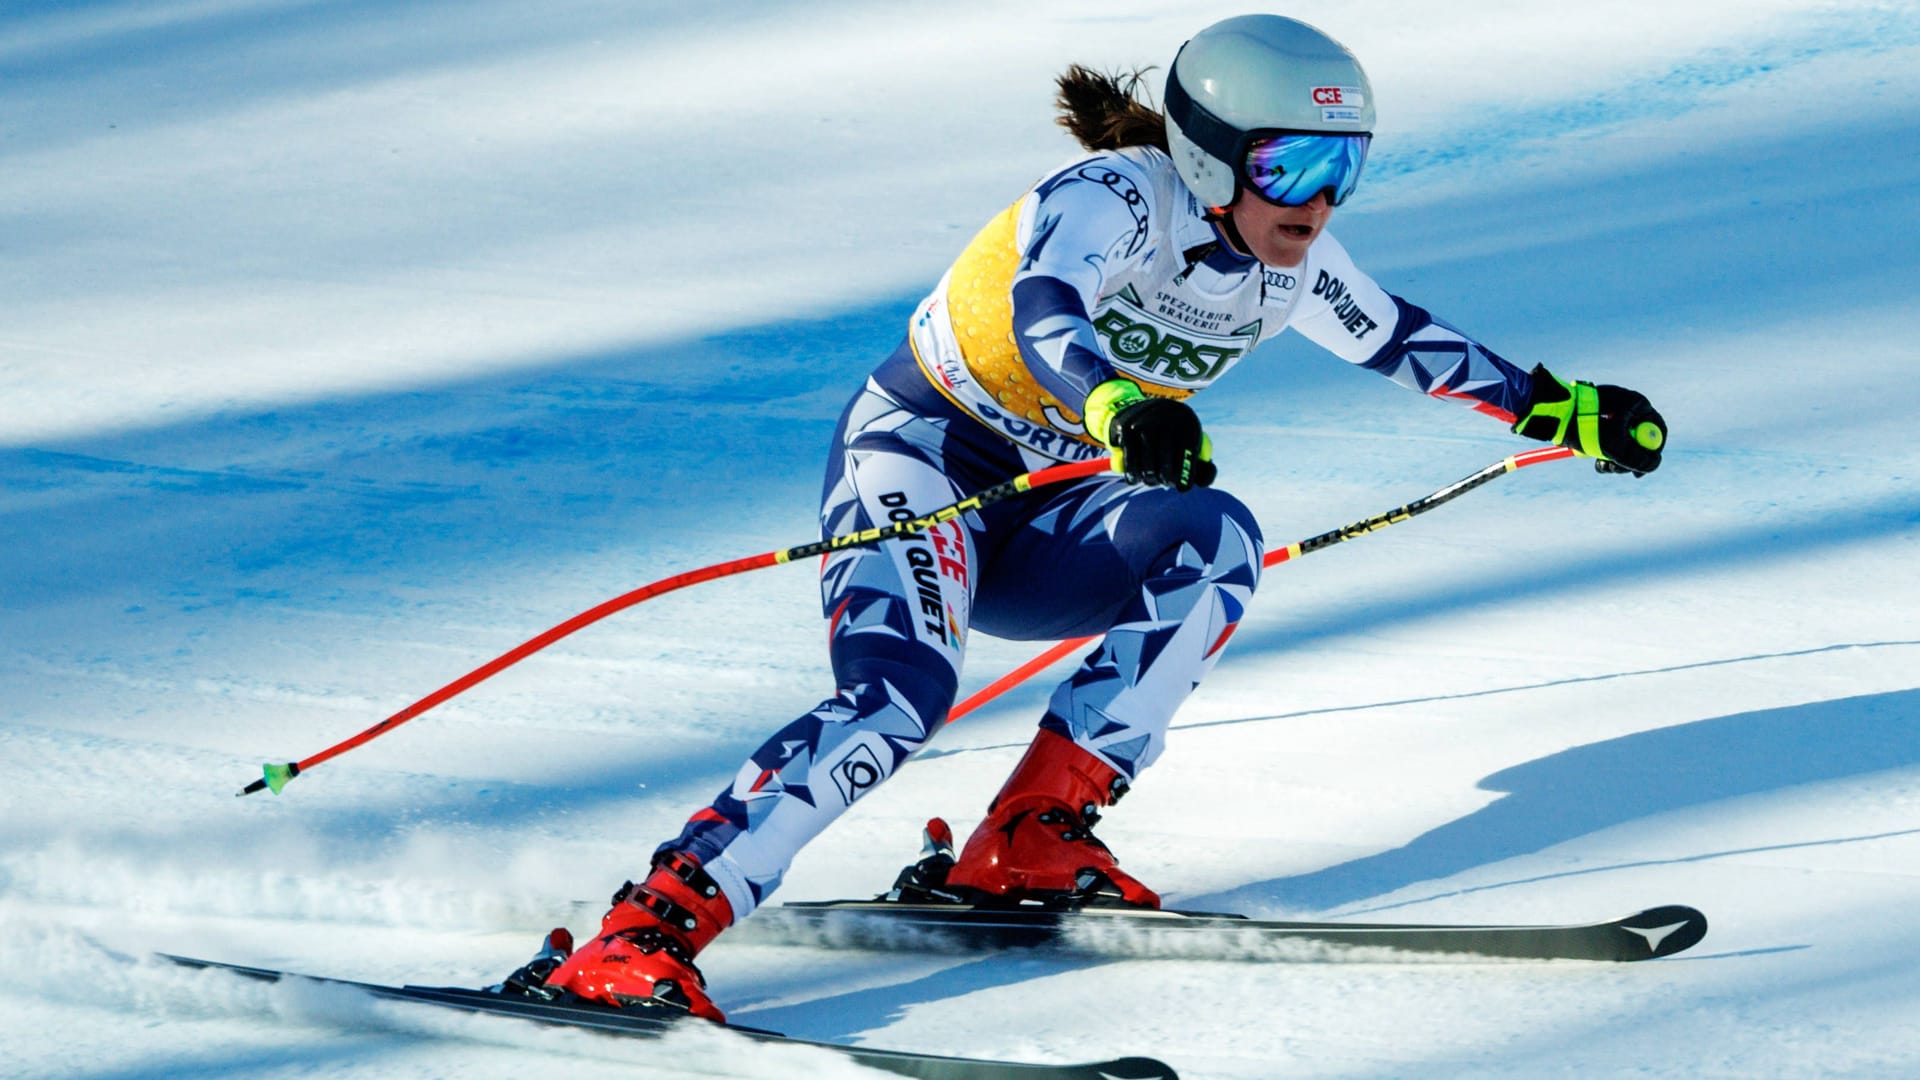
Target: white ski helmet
1252 74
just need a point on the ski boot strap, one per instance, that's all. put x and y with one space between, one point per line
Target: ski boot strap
677 916
689 872
673 914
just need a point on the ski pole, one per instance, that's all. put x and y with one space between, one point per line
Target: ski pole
1279 555
276 777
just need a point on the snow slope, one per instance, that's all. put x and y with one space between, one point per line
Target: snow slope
346 345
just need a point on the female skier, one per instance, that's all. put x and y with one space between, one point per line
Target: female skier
1076 324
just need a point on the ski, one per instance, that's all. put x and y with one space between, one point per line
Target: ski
893 924
651 1021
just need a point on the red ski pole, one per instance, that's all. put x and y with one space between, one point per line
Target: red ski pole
276 777
1279 555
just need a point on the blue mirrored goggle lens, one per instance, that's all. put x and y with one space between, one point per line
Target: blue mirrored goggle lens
1292 169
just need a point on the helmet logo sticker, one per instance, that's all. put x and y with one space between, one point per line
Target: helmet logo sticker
1339 95
1339 104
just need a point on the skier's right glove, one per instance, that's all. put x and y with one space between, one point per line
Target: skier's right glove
1154 440
1617 426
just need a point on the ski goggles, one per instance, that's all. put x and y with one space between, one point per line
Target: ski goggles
1290 168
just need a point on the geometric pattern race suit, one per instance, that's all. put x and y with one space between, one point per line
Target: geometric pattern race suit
1106 268
1164 575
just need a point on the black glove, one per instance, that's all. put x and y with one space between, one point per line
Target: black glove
1154 440
1612 424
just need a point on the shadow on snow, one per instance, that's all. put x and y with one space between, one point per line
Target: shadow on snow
1586 789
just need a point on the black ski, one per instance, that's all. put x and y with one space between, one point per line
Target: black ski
651 1021
893 924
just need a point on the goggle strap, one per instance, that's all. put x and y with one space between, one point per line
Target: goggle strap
1202 128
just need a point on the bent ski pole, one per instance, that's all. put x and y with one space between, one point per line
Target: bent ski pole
1279 555
276 777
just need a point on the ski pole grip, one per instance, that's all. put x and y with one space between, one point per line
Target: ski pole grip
1648 435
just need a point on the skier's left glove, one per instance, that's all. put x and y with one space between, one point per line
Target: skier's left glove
1617 426
1154 440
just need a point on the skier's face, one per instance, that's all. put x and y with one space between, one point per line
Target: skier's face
1279 235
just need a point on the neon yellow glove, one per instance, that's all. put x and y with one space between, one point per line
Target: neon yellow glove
1611 423
1154 440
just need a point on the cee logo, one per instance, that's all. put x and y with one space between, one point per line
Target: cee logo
1339 95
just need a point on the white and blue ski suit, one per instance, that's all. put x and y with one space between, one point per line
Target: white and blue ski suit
1107 268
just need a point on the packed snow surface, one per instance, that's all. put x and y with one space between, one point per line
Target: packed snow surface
345 346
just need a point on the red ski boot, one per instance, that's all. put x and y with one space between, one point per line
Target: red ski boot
646 945
1036 844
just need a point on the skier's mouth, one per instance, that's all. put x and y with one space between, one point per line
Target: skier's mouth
1296 232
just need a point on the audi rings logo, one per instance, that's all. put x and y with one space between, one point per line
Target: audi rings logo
856 773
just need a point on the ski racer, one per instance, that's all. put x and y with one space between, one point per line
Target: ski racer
1076 324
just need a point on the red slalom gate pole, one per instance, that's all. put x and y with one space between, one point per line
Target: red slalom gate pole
276 777
1279 555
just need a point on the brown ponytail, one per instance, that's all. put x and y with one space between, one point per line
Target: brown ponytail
1102 110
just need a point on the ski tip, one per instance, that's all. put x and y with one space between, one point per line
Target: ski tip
1136 1068
1668 929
